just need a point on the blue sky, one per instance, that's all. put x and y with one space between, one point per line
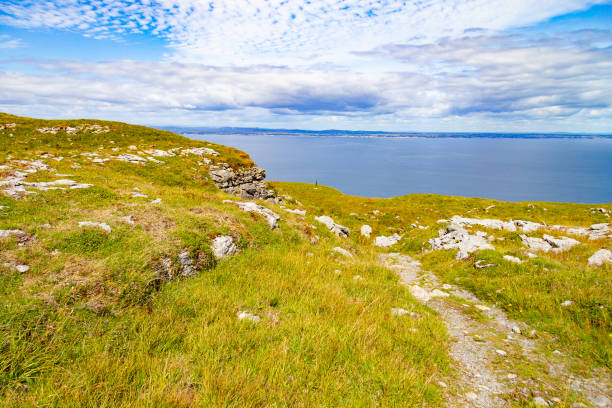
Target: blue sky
426 65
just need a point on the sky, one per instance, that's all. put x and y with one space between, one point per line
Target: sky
420 65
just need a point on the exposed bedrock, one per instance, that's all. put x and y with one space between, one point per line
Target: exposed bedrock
246 183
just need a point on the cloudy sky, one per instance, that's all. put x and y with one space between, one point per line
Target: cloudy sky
414 65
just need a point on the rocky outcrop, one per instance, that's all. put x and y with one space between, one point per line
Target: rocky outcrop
548 243
246 183
455 237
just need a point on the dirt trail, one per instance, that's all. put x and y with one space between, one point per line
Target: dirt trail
488 351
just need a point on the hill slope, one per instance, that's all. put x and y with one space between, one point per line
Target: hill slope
116 292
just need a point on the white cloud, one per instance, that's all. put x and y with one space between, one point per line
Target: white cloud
244 32
6 42
509 78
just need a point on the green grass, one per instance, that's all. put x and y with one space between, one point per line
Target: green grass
532 291
91 324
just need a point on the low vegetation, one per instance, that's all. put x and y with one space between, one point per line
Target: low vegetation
94 322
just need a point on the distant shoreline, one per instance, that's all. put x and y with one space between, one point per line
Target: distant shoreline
372 134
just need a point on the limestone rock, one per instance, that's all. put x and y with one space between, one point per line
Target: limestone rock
200 151
540 402
398 311
243 315
223 246
366 230
102 225
512 259
270 216
13 232
131 158
536 244
383 241
455 237
187 264
528 226
337 229
560 244
600 257
488 223
22 268
595 231
342 251
295 211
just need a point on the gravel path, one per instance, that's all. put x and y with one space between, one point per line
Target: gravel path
486 350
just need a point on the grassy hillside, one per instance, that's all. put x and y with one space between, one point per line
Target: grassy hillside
92 323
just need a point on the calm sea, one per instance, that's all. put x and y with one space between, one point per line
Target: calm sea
509 169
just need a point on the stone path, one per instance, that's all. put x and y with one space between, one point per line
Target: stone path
486 350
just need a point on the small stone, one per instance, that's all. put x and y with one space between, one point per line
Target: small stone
242 315
156 201
482 308
22 268
442 384
516 329
128 219
567 303
511 376
501 353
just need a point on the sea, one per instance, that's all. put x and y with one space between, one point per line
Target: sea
507 167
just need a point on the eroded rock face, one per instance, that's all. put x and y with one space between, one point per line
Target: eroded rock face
246 183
